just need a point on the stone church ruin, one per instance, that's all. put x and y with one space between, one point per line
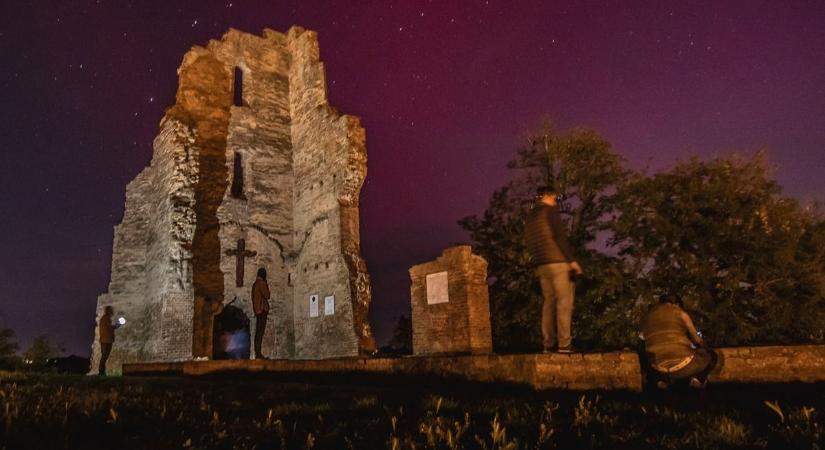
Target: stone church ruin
251 168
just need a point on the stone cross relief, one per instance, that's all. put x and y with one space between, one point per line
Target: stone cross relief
240 253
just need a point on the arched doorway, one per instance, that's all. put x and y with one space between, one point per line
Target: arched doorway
230 337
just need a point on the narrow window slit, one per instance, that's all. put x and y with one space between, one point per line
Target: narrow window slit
237 178
238 90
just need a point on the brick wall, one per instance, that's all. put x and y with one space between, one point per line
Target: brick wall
462 323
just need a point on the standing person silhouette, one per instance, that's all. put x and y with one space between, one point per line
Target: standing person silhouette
106 337
260 305
556 267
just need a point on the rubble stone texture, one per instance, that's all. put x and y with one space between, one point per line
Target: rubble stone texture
614 370
461 324
302 167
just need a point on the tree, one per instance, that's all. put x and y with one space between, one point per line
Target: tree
401 342
749 263
8 348
582 167
40 351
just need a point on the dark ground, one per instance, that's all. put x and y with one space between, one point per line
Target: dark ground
75 412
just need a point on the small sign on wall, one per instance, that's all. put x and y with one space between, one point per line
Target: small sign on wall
437 288
329 305
313 305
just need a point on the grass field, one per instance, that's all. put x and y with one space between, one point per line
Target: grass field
56 412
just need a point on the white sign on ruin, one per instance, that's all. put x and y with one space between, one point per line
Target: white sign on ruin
437 288
329 305
313 306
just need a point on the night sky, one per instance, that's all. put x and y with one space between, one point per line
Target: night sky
445 91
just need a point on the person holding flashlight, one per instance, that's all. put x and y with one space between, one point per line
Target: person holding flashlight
106 336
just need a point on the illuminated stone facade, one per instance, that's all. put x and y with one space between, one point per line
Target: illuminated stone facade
251 155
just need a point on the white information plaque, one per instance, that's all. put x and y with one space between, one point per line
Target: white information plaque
329 305
437 288
313 305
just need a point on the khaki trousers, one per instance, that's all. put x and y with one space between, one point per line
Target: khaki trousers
557 310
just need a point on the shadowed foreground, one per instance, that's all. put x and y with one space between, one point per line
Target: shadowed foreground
264 413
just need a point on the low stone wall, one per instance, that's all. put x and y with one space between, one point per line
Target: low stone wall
617 370
774 364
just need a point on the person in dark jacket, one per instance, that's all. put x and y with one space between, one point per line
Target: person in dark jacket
106 337
556 269
675 351
260 305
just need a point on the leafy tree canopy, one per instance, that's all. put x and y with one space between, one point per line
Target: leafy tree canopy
749 262
8 345
40 351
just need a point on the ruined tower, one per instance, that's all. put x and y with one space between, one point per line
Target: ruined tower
251 168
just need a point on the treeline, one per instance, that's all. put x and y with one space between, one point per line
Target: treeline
748 261
40 356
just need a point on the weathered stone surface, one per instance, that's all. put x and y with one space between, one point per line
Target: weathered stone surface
538 371
460 322
303 167
616 370
771 364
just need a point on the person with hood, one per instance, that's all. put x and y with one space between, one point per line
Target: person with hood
556 269
260 305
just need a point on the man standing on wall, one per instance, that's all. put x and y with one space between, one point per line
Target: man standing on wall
106 337
556 269
260 305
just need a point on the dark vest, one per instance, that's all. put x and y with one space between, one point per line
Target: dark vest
544 236
666 335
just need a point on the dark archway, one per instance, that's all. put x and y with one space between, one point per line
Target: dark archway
230 337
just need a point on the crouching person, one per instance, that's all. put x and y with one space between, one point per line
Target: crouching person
675 351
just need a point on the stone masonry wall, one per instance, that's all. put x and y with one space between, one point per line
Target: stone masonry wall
772 364
329 169
259 131
462 323
616 370
303 167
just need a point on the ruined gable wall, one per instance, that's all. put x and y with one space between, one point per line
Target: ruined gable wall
259 131
169 293
303 170
127 281
326 147
202 105
151 283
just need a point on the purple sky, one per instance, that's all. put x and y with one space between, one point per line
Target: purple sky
444 93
